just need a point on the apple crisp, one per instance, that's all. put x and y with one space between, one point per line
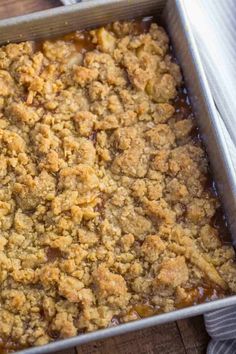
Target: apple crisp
107 213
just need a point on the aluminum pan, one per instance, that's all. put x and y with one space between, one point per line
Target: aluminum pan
131 326
62 20
205 110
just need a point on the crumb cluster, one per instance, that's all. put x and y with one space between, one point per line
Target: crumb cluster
105 204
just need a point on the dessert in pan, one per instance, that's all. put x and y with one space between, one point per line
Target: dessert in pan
107 207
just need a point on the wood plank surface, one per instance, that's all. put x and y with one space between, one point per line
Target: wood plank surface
67 351
11 8
193 334
183 337
162 339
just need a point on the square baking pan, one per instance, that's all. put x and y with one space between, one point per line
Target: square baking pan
93 13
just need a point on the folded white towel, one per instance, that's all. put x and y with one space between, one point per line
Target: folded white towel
213 25
70 2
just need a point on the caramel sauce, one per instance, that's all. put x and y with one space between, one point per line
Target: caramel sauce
194 296
81 39
7 346
53 254
199 295
219 222
182 105
144 310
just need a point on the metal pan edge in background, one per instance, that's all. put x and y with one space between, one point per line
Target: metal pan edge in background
204 108
61 20
96 12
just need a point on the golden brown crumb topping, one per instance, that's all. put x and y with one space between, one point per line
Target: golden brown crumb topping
105 204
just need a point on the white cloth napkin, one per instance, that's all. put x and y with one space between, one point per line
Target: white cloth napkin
214 26
70 2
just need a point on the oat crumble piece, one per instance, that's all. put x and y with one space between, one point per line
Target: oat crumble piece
103 200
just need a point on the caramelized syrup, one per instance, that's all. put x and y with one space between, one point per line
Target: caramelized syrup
199 295
7 347
53 254
81 39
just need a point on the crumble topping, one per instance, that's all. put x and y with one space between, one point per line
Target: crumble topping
105 205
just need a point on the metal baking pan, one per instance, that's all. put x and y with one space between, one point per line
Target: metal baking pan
93 13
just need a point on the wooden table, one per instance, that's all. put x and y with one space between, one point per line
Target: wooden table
181 337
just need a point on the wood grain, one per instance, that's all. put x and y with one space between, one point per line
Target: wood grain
161 339
187 336
11 8
67 351
194 335
183 337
